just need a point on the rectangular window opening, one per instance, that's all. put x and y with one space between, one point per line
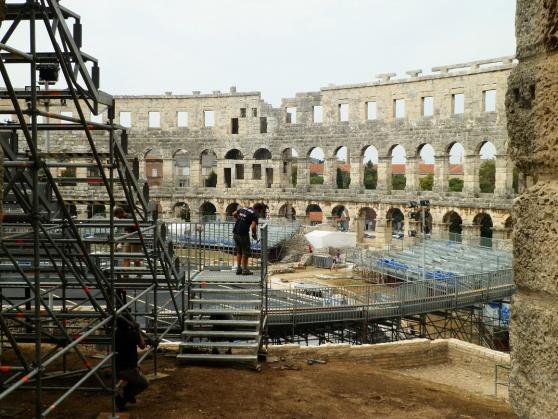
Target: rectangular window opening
489 100
154 120
371 111
234 126
291 115
343 112
263 125
254 112
125 119
182 119
239 168
399 108
458 100
318 114
209 119
154 172
427 106
243 112
256 171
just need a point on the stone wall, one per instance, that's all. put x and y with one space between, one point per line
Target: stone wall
533 129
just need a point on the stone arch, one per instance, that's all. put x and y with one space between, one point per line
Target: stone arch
370 159
181 210
395 220
231 208
234 154
485 159
208 211
508 228
262 154
153 167
424 167
484 221
287 211
455 155
289 172
208 165
181 168
454 224
342 167
314 213
368 216
316 165
398 172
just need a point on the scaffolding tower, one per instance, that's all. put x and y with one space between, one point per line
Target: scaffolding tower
64 280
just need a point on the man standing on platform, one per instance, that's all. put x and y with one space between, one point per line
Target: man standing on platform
246 221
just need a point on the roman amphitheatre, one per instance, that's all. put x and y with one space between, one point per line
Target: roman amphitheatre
402 265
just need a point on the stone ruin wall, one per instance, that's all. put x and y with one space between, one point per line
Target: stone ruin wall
533 129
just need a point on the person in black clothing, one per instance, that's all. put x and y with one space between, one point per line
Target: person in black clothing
246 221
128 339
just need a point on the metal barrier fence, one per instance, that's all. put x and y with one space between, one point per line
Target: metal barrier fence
376 301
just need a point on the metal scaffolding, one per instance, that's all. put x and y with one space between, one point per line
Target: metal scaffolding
64 280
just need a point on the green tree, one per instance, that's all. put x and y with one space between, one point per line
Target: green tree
398 182
316 179
455 184
211 180
487 176
426 182
370 176
294 174
343 179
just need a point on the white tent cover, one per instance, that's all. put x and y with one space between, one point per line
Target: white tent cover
321 239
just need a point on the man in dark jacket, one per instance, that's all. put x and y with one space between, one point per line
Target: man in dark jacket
128 339
246 221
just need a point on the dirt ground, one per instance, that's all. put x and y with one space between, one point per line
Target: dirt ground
282 390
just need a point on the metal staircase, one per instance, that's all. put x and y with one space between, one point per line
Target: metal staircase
226 316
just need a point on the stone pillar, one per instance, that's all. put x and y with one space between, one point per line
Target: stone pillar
412 174
384 174
359 229
195 173
504 176
330 172
382 233
500 233
471 233
302 175
532 117
357 173
471 164
168 172
441 173
221 174
142 168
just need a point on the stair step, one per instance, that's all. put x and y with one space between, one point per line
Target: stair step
235 279
221 344
226 290
209 311
208 301
220 333
239 323
215 357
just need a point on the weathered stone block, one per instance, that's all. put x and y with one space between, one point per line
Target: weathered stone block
536 238
536 27
533 116
534 339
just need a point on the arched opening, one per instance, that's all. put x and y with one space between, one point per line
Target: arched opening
487 167
290 167
231 208
370 167
154 168
181 169
426 167
316 166
287 211
314 214
340 215
455 167
368 215
396 220
233 171
259 172
508 227
208 212
484 221
454 222
342 168
398 170
182 210
208 161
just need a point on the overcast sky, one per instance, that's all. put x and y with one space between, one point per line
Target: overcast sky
281 47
